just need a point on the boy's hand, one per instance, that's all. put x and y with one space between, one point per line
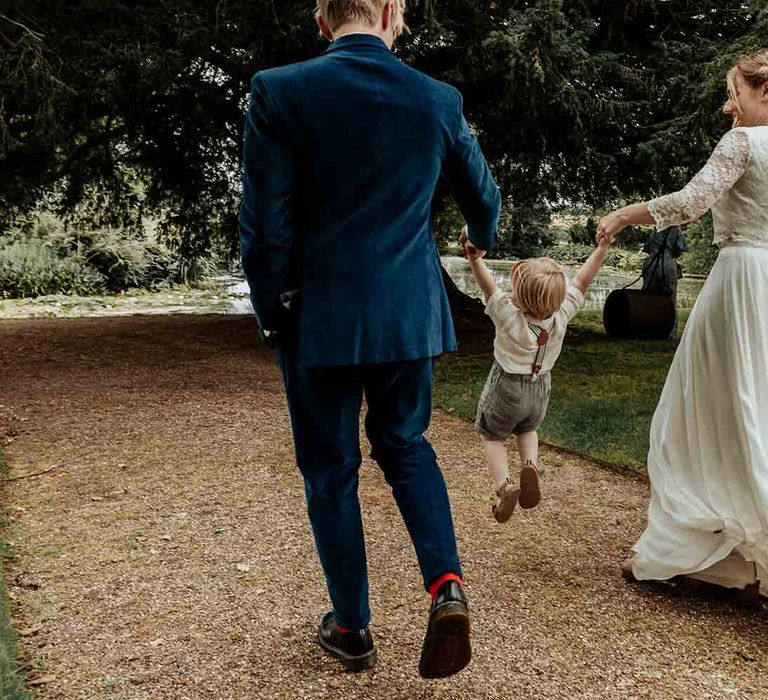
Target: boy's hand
464 242
470 252
604 242
589 269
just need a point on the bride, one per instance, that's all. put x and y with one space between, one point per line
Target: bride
708 458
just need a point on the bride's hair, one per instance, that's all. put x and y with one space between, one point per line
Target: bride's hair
754 70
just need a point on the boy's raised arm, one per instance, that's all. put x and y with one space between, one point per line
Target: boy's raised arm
590 268
483 277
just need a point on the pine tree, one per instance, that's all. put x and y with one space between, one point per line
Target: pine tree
116 110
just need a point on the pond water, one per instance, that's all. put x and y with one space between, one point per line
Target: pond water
606 281
228 294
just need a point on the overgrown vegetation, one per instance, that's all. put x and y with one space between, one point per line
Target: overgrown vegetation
603 397
701 253
577 254
33 269
11 679
50 257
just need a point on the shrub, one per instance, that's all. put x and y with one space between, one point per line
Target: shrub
127 262
126 259
583 233
524 231
47 256
577 254
33 269
701 253
631 238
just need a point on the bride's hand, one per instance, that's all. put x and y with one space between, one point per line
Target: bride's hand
610 226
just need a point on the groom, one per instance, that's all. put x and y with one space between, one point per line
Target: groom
342 155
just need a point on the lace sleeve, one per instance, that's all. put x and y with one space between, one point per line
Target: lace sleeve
723 169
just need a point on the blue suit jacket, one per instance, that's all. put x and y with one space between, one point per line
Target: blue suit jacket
342 156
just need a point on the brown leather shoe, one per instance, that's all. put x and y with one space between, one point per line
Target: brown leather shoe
530 491
447 649
506 501
355 650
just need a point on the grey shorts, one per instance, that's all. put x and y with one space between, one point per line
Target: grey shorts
512 404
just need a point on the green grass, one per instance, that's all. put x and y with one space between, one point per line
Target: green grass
604 391
11 679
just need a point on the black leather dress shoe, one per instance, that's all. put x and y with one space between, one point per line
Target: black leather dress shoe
354 649
446 647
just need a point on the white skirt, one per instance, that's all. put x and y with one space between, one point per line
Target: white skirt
708 459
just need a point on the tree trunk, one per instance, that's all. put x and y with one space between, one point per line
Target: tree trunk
468 313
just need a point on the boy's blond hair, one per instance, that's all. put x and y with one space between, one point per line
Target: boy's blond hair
337 12
539 286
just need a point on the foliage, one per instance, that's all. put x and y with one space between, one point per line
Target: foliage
124 259
583 233
577 254
631 238
592 101
137 107
447 223
604 391
524 230
34 269
50 257
701 253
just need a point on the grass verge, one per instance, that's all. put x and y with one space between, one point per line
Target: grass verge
12 681
604 391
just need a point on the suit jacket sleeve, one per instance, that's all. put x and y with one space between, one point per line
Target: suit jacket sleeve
473 186
266 213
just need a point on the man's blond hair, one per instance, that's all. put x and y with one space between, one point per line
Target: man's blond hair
337 12
539 286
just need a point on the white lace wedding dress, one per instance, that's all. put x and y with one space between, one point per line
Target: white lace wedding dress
708 459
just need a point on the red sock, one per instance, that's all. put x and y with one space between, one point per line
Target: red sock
343 630
435 586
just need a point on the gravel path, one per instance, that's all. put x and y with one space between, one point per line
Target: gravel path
167 554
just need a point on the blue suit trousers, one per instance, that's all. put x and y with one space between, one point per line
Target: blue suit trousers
325 404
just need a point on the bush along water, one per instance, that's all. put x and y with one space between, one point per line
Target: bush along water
626 255
51 258
33 269
577 254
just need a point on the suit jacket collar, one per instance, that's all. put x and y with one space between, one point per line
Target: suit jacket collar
354 41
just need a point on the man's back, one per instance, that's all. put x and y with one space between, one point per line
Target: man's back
367 138
342 154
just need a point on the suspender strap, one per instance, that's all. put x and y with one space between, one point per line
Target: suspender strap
542 339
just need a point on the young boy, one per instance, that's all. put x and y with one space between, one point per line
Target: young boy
530 328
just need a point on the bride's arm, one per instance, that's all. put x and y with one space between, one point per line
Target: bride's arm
723 169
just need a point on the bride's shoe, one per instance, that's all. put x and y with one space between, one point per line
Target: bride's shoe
626 570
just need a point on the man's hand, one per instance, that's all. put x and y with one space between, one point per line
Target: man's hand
469 250
269 338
